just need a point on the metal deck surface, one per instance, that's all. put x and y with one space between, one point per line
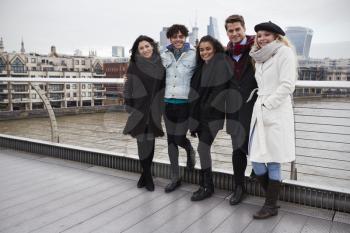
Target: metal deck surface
42 194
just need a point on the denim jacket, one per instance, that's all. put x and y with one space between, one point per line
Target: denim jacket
178 73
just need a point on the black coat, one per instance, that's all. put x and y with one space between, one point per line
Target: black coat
143 96
207 94
238 111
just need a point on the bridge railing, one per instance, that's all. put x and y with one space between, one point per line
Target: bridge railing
322 134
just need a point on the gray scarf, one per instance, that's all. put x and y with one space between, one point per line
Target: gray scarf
151 66
260 55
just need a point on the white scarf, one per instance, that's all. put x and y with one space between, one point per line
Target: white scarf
260 55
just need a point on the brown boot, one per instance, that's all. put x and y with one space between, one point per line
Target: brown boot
263 180
270 207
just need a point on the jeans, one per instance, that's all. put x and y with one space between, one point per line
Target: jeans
273 170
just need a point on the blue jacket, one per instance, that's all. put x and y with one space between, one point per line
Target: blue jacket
178 73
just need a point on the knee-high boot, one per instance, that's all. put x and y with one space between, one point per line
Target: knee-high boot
270 207
263 180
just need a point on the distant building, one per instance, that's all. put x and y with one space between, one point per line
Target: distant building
323 70
301 38
193 36
118 51
212 28
115 69
163 40
21 96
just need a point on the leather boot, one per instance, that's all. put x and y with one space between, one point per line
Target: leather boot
146 178
141 183
263 180
238 195
201 182
207 189
270 207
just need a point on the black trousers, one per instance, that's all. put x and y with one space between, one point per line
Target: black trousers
176 123
239 161
206 139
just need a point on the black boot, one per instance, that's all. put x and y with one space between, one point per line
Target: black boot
141 183
148 174
263 180
238 195
201 182
207 189
239 161
191 158
270 207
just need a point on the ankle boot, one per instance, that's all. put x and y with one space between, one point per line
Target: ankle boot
201 181
207 189
141 183
148 174
270 207
238 195
263 181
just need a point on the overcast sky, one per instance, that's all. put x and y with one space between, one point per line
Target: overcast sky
99 24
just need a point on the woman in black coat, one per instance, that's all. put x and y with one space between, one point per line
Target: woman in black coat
143 93
207 101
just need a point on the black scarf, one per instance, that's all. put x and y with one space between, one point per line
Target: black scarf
151 66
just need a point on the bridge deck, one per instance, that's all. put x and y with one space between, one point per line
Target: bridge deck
41 194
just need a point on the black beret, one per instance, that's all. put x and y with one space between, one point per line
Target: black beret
270 27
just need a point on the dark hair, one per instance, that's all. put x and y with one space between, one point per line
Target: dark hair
134 49
235 19
217 46
175 28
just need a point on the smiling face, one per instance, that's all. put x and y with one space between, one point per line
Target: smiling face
206 51
264 37
235 32
145 49
178 40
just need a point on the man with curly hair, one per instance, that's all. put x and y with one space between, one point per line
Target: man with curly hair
179 60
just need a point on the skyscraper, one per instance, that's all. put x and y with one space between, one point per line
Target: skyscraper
301 38
212 28
163 40
118 51
193 36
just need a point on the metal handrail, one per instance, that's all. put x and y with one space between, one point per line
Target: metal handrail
299 84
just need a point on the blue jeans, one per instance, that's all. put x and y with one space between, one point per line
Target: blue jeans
273 170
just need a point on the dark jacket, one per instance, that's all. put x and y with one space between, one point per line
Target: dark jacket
207 94
238 111
143 96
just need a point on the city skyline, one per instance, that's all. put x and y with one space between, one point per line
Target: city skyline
86 25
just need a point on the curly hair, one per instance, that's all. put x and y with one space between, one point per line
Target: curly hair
175 28
134 49
217 46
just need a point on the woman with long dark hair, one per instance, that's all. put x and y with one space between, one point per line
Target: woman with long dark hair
143 93
207 103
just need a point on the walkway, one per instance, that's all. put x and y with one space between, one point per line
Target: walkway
41 194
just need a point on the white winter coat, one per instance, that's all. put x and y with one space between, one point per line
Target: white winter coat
272 136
